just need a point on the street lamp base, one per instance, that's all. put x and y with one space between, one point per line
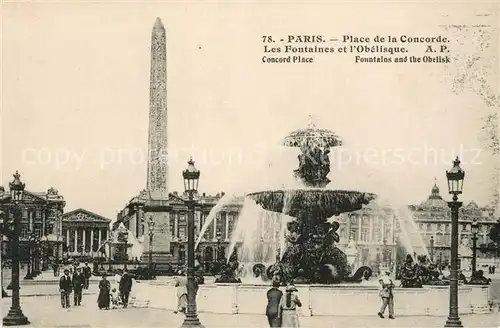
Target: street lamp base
453 322
191 322
15 317
28 276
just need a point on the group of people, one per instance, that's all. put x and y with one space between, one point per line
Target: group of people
75 283
281 310
76 280
113 296
491 269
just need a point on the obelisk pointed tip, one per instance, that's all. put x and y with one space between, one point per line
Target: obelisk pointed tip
159 23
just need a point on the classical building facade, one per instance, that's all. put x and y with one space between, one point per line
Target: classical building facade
84 233
41 237
218 233
433 217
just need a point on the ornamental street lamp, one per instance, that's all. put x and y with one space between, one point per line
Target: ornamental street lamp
29 272
475 231
431 252
191 178
219 241
455 179
385 253
33 244
151 232
35 271
15 317
4 293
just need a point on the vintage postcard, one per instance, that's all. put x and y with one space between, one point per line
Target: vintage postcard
250 164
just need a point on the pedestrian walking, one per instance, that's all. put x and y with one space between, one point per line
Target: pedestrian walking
125 287
104 298
87 273
274 296
65 287
78 283
288 307
181 285
386 293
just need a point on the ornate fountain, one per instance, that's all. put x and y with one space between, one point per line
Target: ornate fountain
310 255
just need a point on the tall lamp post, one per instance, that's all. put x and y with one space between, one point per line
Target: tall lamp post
431 244
151 232
30 273
4 293
191 178
15 317
455 179
475 231
219 241
386 258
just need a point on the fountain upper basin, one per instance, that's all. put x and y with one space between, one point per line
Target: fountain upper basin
319 203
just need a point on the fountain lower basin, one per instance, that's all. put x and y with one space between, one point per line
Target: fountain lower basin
322 203
330 300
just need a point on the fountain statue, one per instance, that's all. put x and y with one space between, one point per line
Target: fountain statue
311 254
410 274
229 270
478 278
415 275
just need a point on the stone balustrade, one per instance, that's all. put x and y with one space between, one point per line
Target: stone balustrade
328 300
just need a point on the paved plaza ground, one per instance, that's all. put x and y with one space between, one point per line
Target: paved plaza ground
45 311
41 303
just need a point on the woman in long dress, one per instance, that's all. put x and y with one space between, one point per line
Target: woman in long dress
103 299
181 285
288 306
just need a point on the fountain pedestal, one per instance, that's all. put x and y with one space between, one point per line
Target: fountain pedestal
332 300
351 252
465 255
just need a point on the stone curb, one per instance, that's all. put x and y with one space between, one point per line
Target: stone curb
43 295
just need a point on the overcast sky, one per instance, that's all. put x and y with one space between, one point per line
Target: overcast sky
75 91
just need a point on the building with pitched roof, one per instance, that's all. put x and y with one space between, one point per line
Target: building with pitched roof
84 232
41 226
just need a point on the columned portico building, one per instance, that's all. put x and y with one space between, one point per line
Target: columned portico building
84 233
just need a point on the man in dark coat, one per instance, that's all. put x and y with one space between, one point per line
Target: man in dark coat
125 287
87 273
78 283
273 305
65 287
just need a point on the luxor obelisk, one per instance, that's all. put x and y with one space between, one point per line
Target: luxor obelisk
156 207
